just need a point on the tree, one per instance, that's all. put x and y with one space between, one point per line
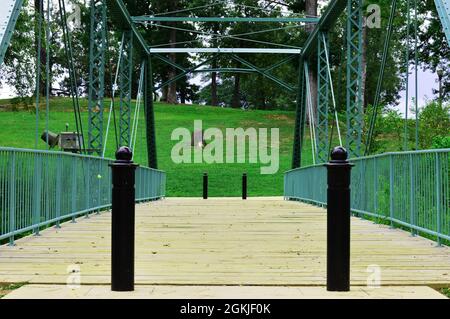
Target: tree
169 34
434 51
434 121
212 9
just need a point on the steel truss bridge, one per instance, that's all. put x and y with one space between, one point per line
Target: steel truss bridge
409 190
315 53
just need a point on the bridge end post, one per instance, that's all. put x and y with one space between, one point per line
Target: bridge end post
205 185
244 186
123 221
338 221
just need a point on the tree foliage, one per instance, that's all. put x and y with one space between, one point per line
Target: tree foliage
259 91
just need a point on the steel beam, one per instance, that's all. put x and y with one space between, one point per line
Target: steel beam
225 70
141 19
184 73
97 75
8 18
125 85
443 9
168 61
354 77
150 115
122 20
322 98
300 116
225 50
327 20
280 63
264 73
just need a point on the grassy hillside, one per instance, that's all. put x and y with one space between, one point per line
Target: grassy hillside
18 130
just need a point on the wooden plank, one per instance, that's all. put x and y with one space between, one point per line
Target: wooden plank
221 292
227 241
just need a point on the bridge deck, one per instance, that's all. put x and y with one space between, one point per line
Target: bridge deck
225 242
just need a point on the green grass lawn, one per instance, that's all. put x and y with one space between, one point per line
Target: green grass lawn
18 130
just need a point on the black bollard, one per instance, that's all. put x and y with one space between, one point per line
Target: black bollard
338 221
205 185
244 186
123 215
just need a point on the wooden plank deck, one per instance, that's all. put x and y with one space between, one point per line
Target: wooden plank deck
265 241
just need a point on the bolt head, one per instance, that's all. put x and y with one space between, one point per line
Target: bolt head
124 153
339 154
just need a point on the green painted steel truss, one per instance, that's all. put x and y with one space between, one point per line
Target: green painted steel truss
251 69
323 98
310 52
98 48
316 43
355 118
8 19
125 86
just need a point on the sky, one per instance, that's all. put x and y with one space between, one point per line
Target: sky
427 81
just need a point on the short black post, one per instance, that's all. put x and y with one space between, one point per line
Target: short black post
205 185
338 221
244 186
123 215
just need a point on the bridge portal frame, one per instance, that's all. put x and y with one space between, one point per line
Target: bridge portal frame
314 50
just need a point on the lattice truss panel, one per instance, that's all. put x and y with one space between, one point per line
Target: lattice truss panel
125 86
322 98
354 77
97 75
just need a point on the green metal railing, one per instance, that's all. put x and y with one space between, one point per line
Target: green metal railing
41 188
407 189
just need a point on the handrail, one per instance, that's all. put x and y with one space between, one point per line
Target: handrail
27 150
40 188
442 150
407 189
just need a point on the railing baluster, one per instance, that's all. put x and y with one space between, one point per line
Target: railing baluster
37 193
87 173
59 190
375 186
438 199
42 188
391 190
74 188
410 189
12 198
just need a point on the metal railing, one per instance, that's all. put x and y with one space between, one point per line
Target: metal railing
41 188
408 189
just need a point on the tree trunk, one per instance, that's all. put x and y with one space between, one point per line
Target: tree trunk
237 91
172 89
164 92
214 100
261 94
311 10
183 95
